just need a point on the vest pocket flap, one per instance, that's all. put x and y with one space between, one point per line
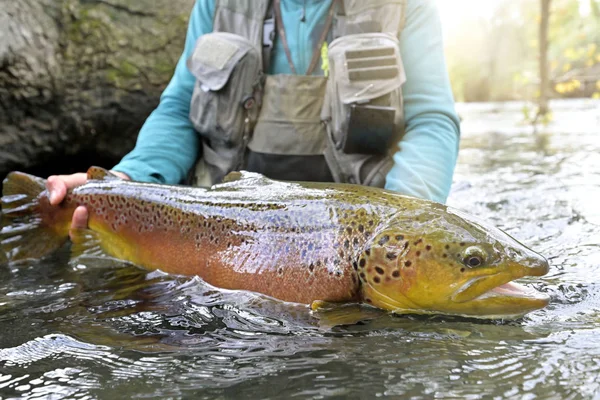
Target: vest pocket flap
366 66
215 57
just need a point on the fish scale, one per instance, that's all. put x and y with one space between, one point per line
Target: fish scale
295 241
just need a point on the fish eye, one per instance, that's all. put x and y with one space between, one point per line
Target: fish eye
474 257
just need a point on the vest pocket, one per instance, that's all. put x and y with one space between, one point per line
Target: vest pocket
363 107
227 69
289 122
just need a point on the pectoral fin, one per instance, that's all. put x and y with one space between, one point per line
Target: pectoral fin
331 315
85 243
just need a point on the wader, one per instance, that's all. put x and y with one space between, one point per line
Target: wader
343 127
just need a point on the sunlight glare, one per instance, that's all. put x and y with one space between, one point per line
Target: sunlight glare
453 13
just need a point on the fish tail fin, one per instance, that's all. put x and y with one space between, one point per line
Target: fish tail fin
29 229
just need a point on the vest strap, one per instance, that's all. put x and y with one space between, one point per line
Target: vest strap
326 28
268 37
282 37
317 51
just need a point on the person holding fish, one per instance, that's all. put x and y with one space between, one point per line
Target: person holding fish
316 91
332 91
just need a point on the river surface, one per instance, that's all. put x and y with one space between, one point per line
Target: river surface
96 329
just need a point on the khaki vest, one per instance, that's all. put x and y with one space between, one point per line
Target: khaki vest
295 124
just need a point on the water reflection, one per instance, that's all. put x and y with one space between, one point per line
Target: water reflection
102 330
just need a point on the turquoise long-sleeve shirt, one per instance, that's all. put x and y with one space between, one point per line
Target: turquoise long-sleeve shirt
167 145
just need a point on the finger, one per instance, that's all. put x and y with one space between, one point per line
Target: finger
74 180
57 189
58 185
80 218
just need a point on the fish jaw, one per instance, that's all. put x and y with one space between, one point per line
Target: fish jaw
497 296
509 300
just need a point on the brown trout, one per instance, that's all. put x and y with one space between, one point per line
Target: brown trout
299 242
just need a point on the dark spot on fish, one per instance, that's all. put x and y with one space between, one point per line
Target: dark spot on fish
428 247
458 255
338 273
444 255
311 267
280 271
368 252
418 242
362 276
384 240
367 234
462 243
447 246
361 228
376 279
379 270
349 230
318 263
407 263
369 300
362 262
355 265
355 241
399 238
371 222
462 270
396 274
347 244
418 253
391 256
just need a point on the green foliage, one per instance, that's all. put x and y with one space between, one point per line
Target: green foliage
496 58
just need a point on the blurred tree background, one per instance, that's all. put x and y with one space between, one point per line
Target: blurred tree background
494 54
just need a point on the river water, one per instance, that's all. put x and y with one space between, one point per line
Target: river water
95 329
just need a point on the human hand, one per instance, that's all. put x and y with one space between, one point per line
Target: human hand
58 185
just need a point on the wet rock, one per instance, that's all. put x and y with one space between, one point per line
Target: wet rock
80 77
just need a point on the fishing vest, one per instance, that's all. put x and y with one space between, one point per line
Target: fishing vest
343 127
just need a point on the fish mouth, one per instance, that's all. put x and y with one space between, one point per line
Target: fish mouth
498 296
513 290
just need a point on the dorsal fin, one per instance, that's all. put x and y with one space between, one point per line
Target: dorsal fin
100 174
244 179
235 176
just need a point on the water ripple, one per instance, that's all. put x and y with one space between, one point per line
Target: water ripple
100 329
